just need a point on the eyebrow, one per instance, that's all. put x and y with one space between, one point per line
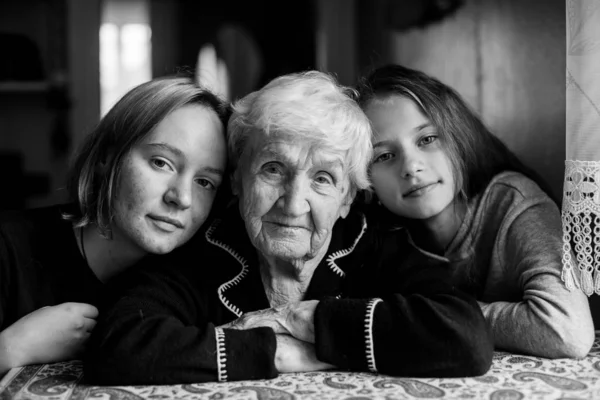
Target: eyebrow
388 142
167 147
178 153
334 160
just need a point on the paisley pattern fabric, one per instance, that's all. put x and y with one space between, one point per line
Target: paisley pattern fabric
512 377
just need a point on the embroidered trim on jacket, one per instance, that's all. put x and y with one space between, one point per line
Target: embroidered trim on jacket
237 278
370 346
221 355
341 253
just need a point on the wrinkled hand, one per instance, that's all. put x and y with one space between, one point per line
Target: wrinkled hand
295 319
50 334
295 355
300 320
269 317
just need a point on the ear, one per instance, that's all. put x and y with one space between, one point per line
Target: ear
347 204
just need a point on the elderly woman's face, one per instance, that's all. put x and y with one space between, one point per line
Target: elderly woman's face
291 194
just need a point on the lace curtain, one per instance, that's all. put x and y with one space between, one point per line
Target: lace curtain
581 190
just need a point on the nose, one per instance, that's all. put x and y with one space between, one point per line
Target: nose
179 194
294 201
410 165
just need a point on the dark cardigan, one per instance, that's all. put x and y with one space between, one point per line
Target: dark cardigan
160 324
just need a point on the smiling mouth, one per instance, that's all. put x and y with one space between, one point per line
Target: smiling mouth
287 226
418 191
166 220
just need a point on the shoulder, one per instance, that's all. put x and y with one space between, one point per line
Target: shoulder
516 184
511 197
512 190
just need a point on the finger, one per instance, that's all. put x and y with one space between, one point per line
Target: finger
89 324
87 310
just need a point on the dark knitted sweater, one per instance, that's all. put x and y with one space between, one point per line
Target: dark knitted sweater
160 325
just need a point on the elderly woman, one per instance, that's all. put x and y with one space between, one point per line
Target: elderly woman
291 277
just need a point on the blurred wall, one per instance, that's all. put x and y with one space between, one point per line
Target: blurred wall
34 131
507 59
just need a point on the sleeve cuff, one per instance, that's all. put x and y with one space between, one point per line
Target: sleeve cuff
245 354
344 333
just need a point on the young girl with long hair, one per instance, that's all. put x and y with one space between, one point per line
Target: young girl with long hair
466 200
143 183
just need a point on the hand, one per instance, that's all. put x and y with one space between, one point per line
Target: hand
269 317
300 320
293 355
50 334
295 319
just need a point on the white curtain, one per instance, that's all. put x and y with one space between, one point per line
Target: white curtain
581 190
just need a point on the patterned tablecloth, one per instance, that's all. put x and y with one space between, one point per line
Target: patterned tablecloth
512 377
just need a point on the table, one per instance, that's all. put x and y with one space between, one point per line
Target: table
511 377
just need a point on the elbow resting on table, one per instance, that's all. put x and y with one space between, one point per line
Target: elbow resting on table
574 343
479 362
476 346
476 355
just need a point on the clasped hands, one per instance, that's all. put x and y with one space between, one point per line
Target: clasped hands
294 329
294 319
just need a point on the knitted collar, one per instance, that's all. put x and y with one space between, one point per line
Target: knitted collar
242 291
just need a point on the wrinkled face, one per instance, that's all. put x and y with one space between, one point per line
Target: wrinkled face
168 181
291 194
411 173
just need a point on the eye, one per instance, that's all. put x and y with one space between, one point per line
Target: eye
160 164
273 168
206 184
324 178
428 140
383 158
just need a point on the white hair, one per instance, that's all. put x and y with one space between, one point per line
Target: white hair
311 106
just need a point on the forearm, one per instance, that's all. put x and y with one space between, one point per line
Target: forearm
160 349
542 326
443 335
12 353
531 311
6 358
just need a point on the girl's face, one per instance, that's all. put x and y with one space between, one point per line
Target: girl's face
169 180
411 173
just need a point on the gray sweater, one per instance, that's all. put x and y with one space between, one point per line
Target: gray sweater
512 238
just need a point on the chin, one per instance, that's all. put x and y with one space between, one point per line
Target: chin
428 214
160 248
284 252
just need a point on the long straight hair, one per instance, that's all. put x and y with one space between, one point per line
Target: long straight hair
475 153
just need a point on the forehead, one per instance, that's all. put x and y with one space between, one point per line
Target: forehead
191 119
293 147
195 131
394 115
